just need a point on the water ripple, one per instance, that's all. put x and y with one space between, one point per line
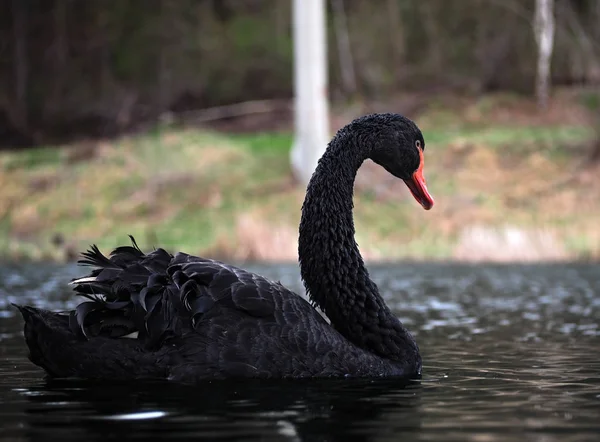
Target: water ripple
510 353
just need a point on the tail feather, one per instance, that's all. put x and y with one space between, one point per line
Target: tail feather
93 257
42 328
55 348
127 293
83 280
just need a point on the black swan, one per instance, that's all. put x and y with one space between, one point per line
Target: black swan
186 319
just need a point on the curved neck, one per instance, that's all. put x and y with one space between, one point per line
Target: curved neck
331 266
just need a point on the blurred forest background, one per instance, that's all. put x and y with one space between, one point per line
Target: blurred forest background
172 120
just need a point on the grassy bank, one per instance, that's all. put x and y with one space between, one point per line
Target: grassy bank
502 190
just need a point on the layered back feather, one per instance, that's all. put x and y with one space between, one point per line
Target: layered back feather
159 295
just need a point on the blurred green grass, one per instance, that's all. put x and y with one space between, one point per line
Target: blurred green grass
179 188
187 189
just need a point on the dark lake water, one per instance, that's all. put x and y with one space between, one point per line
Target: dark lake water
509 352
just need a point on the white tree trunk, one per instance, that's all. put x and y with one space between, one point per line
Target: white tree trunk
544 35
310 83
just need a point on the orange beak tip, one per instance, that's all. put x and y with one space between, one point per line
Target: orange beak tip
418 188
419 191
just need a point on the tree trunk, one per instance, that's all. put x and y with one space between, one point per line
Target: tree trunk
344 47
20 112
164 47
397 39
60 55
310 87
544 36
430 25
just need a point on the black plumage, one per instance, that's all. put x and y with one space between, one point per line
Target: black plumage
196 318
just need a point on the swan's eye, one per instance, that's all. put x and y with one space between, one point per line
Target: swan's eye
418 144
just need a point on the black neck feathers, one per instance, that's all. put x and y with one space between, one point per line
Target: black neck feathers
332 268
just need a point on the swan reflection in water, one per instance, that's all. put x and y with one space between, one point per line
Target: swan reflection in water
359 409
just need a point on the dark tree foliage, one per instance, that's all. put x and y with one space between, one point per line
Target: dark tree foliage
94 67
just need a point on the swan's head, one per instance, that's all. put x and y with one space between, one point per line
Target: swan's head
397 145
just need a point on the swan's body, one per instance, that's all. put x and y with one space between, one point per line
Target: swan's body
193 318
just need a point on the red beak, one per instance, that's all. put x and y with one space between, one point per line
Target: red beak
418 188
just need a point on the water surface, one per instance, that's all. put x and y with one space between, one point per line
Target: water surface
510 353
